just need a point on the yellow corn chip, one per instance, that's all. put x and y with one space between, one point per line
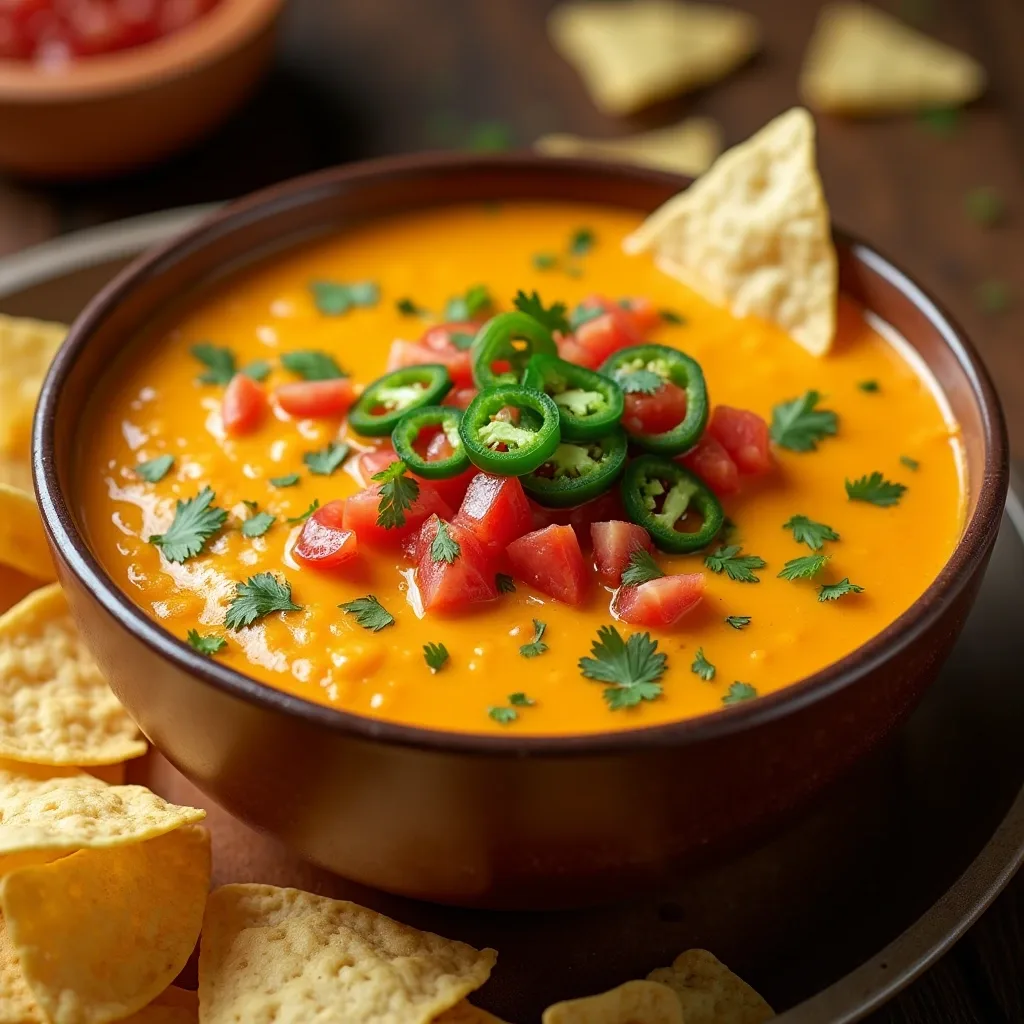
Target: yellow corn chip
466 1013
41 820
17 1004
635 1002
55 707
26 349
296 956
101 933
862 61
753 233
14 587
709 992
22 540
686 148
111 774
631 53
183 998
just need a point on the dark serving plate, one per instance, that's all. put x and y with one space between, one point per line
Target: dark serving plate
831 917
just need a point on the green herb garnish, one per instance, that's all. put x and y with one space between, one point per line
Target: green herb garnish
209 645
520 700
303 516
398 492
834 591
669 316
581 242
739 692
632 667
702 667
333 298
154 470
543 260
219 363
288 480
504 583
875 489
553 317
257 525
807 531
474 303
642 568
312 365
462 340
259 370
369 613
537 645
583 314
737 621
910 463
736 566
435 655
871 387
804 567
503 716
195 522
640 382
409 308
799 426
260 595
443 548
325 461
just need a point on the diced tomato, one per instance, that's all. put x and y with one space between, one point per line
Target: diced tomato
639 312
495 509
447 587
460 397
451 488
316 399
712 463
437 346
551 560
744 435
362 508
572 351
324 543
614 542
244 405
375 461
654 414
607 333
600 509
659 603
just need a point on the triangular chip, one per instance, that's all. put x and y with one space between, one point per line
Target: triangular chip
710 993
631 53
55 707
686 148
863 61
294 956
17 1004
635 1002
22 540
101 933
14 587
753 233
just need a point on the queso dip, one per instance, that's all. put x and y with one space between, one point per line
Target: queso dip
842 473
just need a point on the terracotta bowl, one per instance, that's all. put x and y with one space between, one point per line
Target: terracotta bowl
495 821
111 113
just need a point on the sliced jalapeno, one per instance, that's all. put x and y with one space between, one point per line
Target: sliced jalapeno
659 493
589 404
384 402
497 445
403 438
639 368
578 471
509 338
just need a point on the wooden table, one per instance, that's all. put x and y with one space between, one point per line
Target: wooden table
356 79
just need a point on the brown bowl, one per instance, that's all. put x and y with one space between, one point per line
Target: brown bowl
495 821
117 111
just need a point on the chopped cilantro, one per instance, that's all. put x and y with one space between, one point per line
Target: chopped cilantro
520 700
736 566
910 463
875 489
154 470
640 382
288 480
257 525
702 667
642 568
552 318
632 667
303 516
503 716
476 301
333 298
504 583
209 645
582 241
871 387
543 260
369 613
219 363
325 461
312 365
583 314
669 316
994 296
834 591
804 567
435 655
397 494
195 522
260 595
739 692
985 206
443 548
409 308
537 645
799 426
737 621
462 340
259 370
807 531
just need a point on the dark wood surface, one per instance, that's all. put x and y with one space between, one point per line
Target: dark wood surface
357 79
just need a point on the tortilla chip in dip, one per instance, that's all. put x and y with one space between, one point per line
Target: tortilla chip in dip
861 61
753 234
635 1002
709 992
631 54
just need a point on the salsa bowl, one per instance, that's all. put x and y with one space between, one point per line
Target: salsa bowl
496 820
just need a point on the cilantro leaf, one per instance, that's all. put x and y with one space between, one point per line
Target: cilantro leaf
406 307
804 567
583 314
520 700
258 370
537 646
736 566
632 667
702 667
397 494
435 655
834 591
543 260
640 382
642 568
582 241
443 548
195 522
737 621
504 583
312 365
807 531
210 644
257 525
303 516
910 463
154 470
219 363
503 716
875 490
333 298
668 316
258 596
739 692
462 340
369 613
799 426
476 301
871 387
552 318
289 480
325 461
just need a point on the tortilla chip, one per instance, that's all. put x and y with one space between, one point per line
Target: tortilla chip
14 587
22 540
184 998
41 820
635 1002
101 933
157 1014
686 148
631 53
710 993
466 1013
55 707
17 1004
26 350
265 948
753 233
862 61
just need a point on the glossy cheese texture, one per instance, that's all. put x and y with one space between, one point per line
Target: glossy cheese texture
151 404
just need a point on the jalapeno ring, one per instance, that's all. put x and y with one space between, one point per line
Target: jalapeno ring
528 444
589 404
403 439
495 342
580 471
384 402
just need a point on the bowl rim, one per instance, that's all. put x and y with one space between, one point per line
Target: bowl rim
60 524
227 26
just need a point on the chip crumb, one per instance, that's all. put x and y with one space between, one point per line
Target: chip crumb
709 993
635 1002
